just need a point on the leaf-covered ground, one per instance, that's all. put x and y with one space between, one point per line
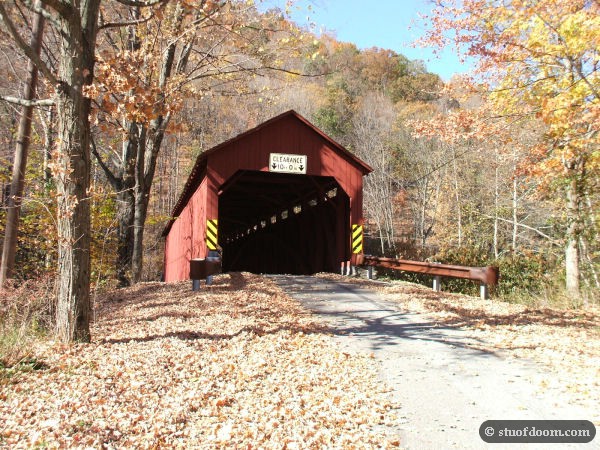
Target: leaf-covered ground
566 343
235 365
240 365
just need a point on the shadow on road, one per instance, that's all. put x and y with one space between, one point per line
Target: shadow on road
353 310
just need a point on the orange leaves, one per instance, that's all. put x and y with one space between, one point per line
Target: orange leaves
460 125
126 87
541 61
238 365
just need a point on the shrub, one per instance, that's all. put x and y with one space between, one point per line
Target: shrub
26 314
526 273
526 277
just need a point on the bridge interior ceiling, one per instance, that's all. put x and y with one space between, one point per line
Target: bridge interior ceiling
283 223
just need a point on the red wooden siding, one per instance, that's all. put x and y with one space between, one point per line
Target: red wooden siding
289 134
186 240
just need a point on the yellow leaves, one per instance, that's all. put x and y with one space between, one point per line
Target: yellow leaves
541 59
580 31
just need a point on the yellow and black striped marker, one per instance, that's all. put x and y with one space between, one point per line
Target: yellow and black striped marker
212 234
357 239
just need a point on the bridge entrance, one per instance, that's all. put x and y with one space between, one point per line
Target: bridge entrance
283 223
280 198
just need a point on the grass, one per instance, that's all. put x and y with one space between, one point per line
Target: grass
554 295
15 342
25 316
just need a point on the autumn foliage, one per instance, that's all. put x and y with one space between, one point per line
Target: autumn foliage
537 66
236 365
500 167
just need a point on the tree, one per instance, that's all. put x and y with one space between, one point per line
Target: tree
76 25
131 89
20 160
539 59
372 138
189 49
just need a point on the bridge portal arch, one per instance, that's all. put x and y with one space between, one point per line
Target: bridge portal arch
282 197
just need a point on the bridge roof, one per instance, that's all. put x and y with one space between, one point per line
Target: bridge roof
199 170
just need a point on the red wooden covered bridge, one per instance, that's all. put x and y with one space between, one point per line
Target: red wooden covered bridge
280 198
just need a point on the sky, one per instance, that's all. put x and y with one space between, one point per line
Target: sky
388 24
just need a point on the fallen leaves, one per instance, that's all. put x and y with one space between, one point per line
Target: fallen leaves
565 342
236 365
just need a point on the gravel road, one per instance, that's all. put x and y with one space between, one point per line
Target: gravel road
445 387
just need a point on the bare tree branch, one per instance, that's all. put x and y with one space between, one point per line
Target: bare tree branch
114 181
40 10
141 4
42 67
23 102
125 24
535 230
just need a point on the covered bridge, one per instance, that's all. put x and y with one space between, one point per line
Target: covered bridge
280 198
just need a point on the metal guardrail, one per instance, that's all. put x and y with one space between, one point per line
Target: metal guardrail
487 276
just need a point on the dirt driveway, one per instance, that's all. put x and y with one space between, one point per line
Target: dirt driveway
445 384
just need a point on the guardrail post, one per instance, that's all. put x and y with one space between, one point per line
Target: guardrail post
370 272
437 283
204 269
195 285
484 291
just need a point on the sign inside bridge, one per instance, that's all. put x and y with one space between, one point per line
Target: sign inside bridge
286 163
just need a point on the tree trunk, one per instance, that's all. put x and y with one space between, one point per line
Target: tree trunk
125 209
590 225
459 221
137 260
20 162
125 187
48 125
76 67
73 309
48 119
147 156
572 236
144 178
139 217
515 210
125 183
496 205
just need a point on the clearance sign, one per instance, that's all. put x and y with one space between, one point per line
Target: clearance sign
286 163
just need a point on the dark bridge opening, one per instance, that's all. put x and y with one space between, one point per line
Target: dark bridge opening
283 223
